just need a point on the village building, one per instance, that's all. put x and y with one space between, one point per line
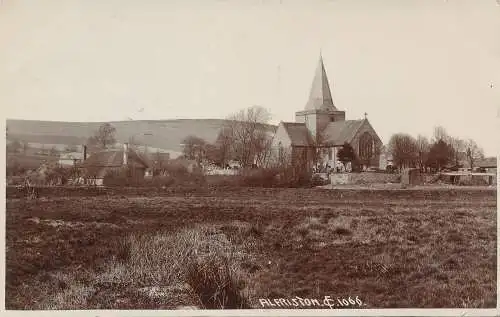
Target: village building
71 159
487 165
321 129
102 163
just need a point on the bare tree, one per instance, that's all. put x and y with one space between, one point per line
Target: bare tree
220 152
457 146
280 157
104 137
459 149
403 148
423 147
247 129
474 152
194 148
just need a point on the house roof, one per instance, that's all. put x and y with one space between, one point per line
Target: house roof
339 132
298 133
320 96
113 158
490 162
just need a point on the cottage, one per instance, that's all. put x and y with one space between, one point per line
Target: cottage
320 130
101 163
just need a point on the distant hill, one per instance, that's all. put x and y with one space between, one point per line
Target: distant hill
165 134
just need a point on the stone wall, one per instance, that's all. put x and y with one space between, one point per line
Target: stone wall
363 178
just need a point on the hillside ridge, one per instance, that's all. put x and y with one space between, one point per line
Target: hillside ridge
165 134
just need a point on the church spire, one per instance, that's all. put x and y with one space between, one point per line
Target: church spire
320 96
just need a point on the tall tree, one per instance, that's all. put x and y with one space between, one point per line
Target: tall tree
456 145
440 154
423 148
220 152
247 129
104 137
403 148
459 150
474 152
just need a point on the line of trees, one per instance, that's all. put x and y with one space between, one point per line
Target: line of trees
243 138
442 150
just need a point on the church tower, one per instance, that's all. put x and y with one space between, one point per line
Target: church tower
320 109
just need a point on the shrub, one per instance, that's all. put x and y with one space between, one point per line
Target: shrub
275 177
258 177
215 284
175 169
172 175
123 177
200 257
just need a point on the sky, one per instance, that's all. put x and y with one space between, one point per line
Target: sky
410 65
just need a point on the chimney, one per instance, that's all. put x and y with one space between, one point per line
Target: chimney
84 152
125 153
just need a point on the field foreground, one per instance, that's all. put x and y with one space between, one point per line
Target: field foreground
391 249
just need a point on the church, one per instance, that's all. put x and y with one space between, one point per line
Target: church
321 129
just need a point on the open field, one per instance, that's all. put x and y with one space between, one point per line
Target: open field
123 250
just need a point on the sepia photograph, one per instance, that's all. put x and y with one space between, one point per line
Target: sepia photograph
270 156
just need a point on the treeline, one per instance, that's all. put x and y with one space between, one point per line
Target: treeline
243 138
442 150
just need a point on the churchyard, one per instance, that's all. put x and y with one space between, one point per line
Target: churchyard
133 248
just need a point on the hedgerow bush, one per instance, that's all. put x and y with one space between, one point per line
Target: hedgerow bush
275 177
170 175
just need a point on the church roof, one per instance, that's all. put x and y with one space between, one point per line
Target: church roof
339 132
298 133
320 96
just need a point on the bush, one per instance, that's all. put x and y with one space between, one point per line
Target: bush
171 175
215 284
123 177
275 177
258 177
200 257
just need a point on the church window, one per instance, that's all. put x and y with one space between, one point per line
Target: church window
330 154
365 146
